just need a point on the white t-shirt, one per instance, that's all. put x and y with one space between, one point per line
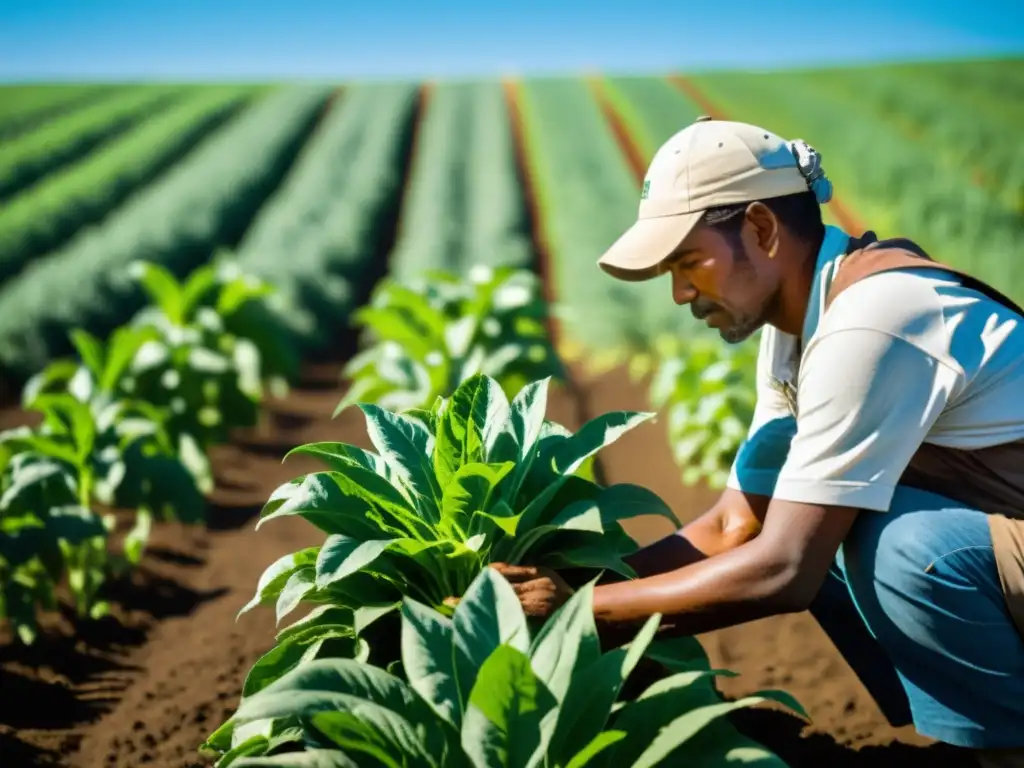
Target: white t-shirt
899 358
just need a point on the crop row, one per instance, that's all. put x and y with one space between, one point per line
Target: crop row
586 196
25 107
463 204
60 142
317 238
48 213
994 85
202 202
980 152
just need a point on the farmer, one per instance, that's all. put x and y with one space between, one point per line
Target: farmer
881 484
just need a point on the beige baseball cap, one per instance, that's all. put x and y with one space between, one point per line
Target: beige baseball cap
707 164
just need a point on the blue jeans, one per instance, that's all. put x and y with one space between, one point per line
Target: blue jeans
914 605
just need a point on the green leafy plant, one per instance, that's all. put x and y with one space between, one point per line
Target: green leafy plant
708 392
473 480
45 534
209 377
52 477
481 691
431 334
239 299
141 463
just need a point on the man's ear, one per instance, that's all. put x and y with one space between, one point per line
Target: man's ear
765 226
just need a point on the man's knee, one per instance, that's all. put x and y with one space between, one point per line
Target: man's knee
925 572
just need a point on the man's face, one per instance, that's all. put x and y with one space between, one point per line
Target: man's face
728 282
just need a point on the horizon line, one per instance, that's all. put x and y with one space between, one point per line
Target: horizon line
990 56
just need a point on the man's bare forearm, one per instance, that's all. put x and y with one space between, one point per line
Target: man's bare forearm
714 532
667 554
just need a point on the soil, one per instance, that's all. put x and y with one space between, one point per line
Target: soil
146 685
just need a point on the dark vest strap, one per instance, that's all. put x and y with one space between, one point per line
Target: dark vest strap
867 255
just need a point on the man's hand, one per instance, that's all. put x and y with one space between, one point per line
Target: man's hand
541 591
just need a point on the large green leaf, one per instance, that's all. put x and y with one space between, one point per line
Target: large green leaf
428 657
505 724
470 490
74 524
686 726
595 747
163 289
524 424
658 706
406 447
593 690
355 502
295 648
342 555
567 641
579 516
325 684
300 584
338 456
470 426
314 758
488 615
567 453
600 432
36 483
377 732
622 501
584 549
274 578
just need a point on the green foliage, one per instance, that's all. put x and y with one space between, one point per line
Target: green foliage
318 237
473 480
127 425
176 222
51 477
58 142
463 203
27 106
44 215
431 334
205 362
480 690
707 389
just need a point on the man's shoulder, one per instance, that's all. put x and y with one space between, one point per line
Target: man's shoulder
900 302
931 310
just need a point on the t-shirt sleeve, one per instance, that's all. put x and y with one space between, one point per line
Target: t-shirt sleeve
761 456
867 399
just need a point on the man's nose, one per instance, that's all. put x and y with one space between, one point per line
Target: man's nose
682 291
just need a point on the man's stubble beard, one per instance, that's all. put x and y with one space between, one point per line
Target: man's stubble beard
743 329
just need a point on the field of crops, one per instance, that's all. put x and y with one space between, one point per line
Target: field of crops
284 367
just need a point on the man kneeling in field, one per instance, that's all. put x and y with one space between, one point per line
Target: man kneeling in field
881 485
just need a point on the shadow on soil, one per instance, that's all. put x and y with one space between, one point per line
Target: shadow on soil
17 753
75 671
781 732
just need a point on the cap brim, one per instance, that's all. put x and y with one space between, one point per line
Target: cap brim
637 255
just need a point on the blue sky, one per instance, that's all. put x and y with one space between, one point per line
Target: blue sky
214 39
